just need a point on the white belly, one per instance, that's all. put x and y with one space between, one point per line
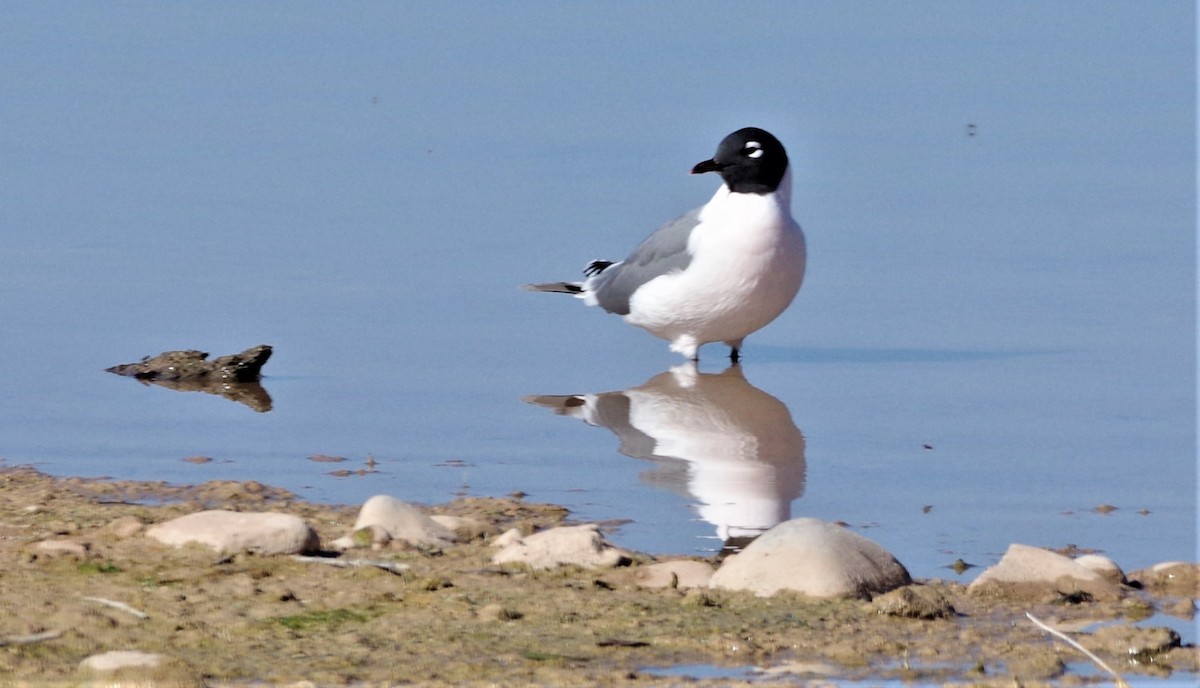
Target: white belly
740 279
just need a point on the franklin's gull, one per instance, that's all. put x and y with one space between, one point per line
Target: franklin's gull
718 273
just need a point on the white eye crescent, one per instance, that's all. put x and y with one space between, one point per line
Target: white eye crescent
754 148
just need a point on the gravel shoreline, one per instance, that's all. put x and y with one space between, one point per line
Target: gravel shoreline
82 580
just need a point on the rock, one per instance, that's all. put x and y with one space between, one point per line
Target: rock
1175 578
507 538
134 668
68 548
125 527
236 531
235 377
467 528
396 520
496 612
578 545
1026 572
914 602
373 536
699 597
181 365
681 573
122 659
1124 640
1032 664
1183 608
1107 568
813 558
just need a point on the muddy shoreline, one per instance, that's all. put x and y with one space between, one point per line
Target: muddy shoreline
451 617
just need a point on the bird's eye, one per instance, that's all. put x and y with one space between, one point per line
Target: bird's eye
753 149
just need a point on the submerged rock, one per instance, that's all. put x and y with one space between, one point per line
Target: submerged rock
235 377
814 558
567 545
1026 572
236 531
181 365
383 519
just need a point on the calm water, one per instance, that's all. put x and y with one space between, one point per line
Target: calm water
996 335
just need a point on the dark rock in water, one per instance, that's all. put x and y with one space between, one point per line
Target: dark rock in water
234 377
184 365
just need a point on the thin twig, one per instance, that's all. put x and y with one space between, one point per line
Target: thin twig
1070 641
389 566
30 639
119 606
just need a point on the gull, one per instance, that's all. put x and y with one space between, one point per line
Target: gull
718 273
731 448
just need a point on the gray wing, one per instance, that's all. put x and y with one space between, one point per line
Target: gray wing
662 252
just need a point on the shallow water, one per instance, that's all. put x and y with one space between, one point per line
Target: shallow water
996 335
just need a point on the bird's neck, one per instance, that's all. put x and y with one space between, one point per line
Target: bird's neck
782 195
776 205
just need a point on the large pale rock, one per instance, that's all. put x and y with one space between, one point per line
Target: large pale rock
1026 572
506 538
814 558
237 531
578 545
1107 568
387 518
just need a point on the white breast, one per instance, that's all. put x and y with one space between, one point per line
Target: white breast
748 258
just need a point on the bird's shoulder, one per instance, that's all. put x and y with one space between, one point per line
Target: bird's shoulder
671 239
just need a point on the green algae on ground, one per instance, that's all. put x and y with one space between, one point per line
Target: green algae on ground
317 619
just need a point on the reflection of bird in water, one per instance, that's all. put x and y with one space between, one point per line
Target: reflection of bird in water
722 441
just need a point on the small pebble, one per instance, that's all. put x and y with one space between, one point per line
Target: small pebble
125 526
497 612
122 659
66 547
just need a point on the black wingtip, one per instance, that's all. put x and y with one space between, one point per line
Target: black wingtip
596 267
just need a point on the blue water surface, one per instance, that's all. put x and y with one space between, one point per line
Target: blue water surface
996 336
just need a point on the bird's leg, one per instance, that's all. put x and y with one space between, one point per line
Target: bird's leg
735 349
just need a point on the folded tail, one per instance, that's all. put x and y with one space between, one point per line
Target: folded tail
557 287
